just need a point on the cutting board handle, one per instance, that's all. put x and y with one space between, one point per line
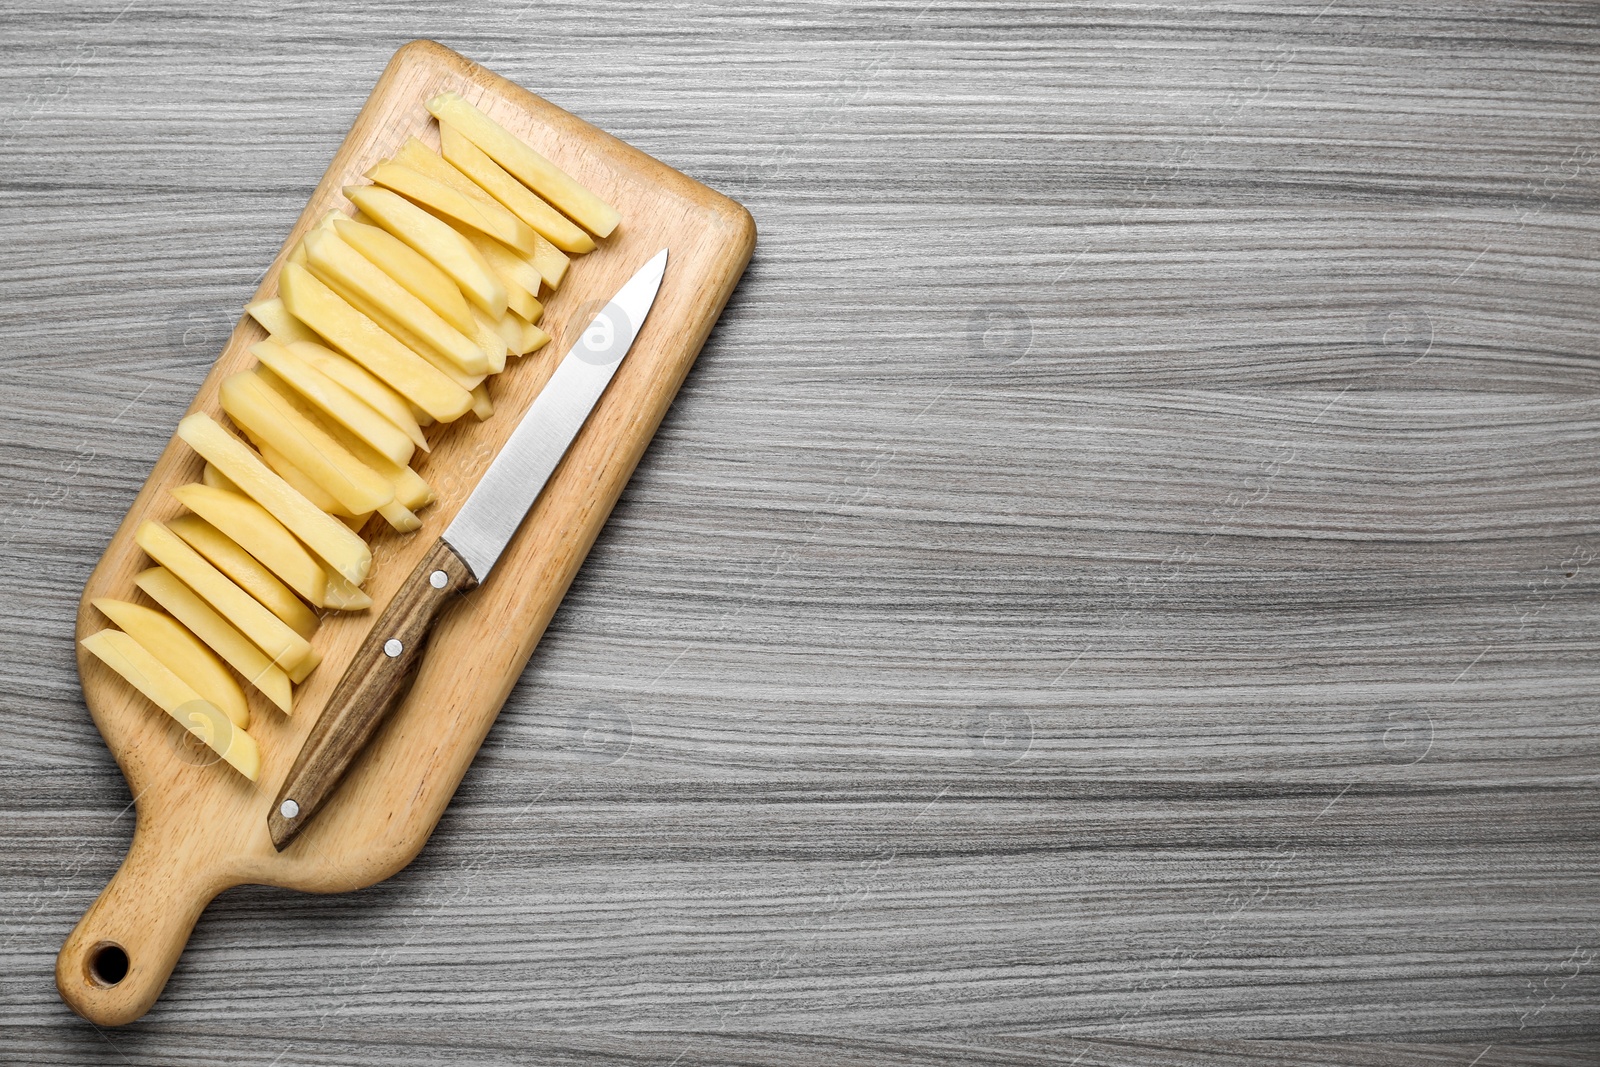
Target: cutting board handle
118 959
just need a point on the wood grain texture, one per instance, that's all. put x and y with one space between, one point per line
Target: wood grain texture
1119 582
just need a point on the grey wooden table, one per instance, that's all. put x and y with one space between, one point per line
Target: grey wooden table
1119 587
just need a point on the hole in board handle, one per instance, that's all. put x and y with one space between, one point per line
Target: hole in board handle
108 964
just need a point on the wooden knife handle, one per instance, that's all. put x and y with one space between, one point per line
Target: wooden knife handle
376 679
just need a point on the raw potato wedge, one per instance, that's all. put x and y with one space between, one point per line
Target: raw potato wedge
472 161
546 265
302 482
412 343
299 671
532 336
269 633
342 596
436 241
185 605
217 480
313 492
323 534
402 518
262 413
385 401
521 280
276 320
520 335
446 202
506 326
411 269
494 346
177 698
526 165
482 406
488 325
329 255
485 212
247 572
358 337
182 653
549 260
258 533
335 401
409 488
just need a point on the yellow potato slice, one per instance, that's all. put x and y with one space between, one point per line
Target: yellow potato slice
410 489
546 266
471 205
531 337
521 280
217 480
329 255
385 401
520 335
320 532
165 589
436 241
414 344
247 572
407 487
494 346
253 529
299 671
548 260
448 203
342 596
269 633
177 698
358 337
303 483
526 165
506 326
182 653
276 320
402 518
264 414
482 406
312 491
335 401
398 330
410 268
488 325
472 161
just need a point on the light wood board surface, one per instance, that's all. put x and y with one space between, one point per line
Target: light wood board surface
1119 583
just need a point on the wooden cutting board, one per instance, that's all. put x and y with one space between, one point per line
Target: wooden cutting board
202 828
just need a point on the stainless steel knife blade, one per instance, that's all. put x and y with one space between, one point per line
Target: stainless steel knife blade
491 515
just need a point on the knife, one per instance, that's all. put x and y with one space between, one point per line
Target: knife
463 556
